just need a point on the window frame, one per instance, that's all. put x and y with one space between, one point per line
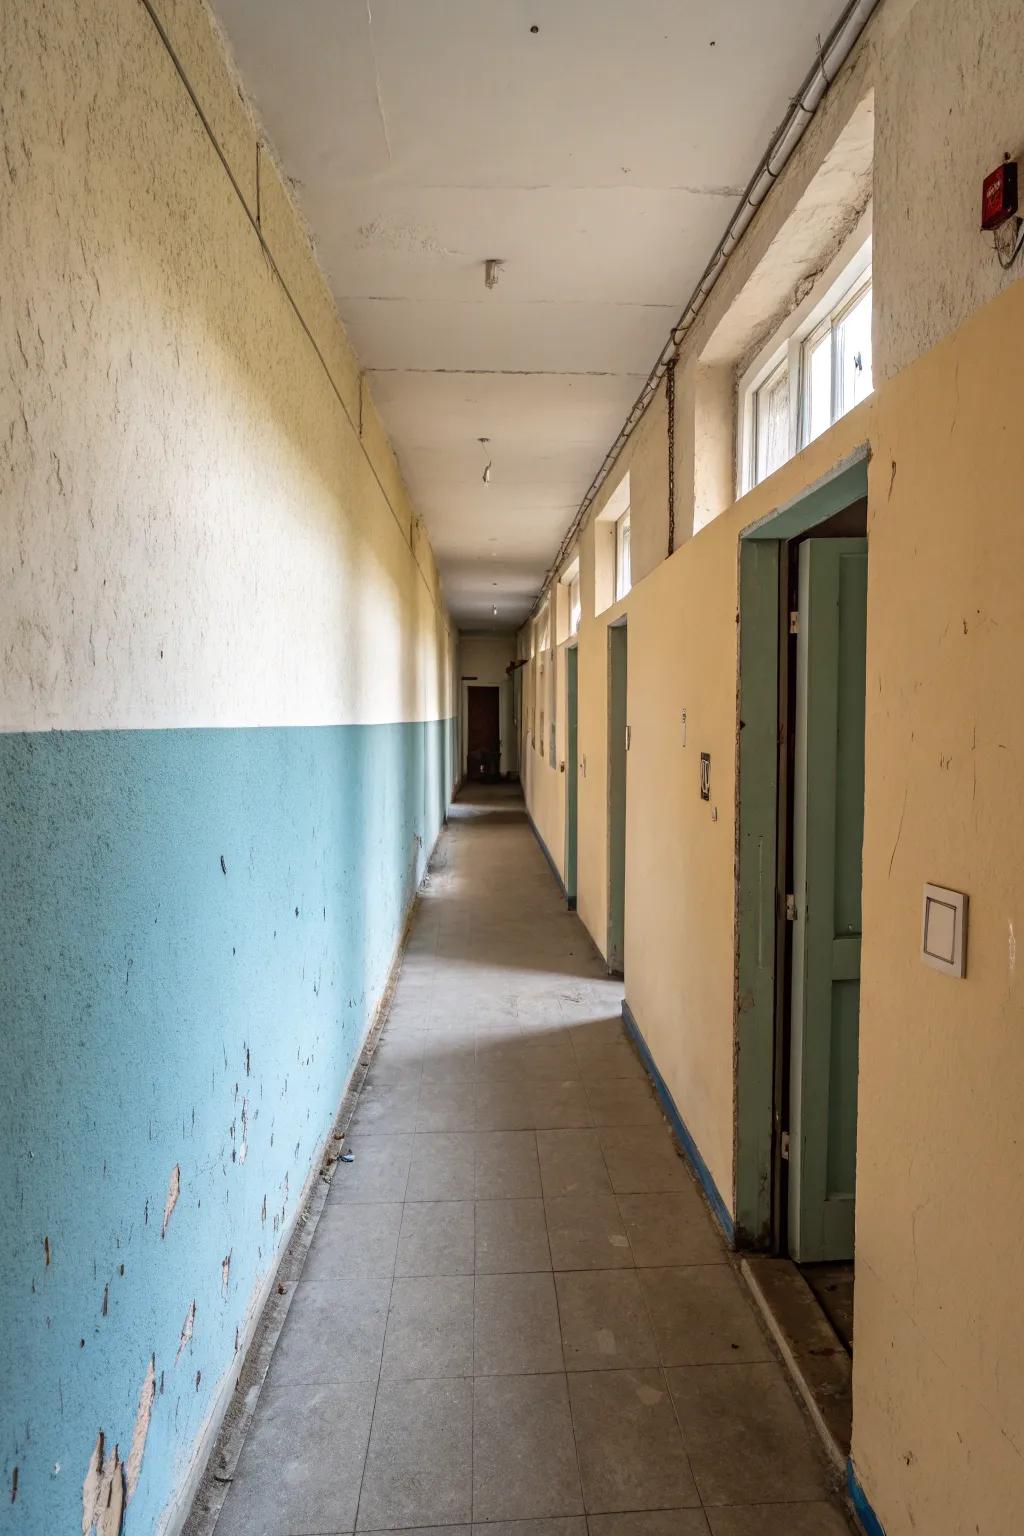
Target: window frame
782 368
623 537
836 292
829 326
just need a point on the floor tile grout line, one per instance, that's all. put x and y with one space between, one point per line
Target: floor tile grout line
565 1373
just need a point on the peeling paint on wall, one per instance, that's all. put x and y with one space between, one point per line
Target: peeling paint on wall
173 1191
171 791
103 1492
186 1328
147 1396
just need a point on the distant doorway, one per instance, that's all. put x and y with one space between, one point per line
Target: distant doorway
572 772
617 746
483 734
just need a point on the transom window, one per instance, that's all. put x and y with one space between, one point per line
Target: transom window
836 363
623 570
811 377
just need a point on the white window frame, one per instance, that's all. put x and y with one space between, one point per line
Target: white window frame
544 628
835 292
570 581
829 324
623 530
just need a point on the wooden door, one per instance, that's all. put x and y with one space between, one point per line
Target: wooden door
828 826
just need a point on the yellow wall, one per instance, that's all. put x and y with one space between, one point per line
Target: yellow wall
938 1394
939 1342
939 1359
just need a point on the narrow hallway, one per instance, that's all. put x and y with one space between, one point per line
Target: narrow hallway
516 1307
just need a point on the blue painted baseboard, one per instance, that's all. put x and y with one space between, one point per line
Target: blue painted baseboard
858 1498
545 850
196 928
719 1209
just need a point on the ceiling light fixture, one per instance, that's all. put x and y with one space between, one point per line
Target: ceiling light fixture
485 443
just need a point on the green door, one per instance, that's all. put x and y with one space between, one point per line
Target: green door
572 771
617 669
828 827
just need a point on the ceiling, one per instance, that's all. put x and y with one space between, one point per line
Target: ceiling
595 147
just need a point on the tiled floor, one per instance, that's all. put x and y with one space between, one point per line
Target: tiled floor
516 1310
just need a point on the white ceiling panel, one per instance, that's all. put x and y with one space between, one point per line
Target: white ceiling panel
598 158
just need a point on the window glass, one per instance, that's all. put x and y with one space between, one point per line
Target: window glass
827 367
853 354
818 397
623 571
575 607
771 422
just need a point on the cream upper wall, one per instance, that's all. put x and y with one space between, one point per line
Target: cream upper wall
486 656
947 107
194 530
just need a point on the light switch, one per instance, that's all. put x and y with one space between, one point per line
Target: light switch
944 930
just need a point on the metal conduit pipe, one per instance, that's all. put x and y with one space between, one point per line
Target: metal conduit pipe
832 55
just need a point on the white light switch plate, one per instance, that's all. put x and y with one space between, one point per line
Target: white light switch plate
944 930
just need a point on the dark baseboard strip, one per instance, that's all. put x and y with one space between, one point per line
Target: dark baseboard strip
547 854
870 1522
719 1209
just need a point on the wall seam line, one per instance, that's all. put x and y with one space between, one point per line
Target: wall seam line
255 223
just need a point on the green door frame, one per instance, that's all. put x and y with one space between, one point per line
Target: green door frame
617 692
572 772
758 783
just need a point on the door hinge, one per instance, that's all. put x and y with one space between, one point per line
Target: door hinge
790 909
794 621
784 1146
629 737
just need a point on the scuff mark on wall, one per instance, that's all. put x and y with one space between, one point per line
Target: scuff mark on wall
147 1397
225 1274
173 1191
243 1145
186 1328
103 1492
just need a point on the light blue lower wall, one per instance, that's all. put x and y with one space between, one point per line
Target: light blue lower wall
196 926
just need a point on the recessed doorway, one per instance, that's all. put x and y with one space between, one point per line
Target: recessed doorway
803 625
483 734
571 772
617 759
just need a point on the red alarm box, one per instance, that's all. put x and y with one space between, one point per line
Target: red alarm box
999 195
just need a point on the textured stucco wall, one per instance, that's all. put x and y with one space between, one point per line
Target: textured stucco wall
939 1342
939 1349
226 743
143 299
947 107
